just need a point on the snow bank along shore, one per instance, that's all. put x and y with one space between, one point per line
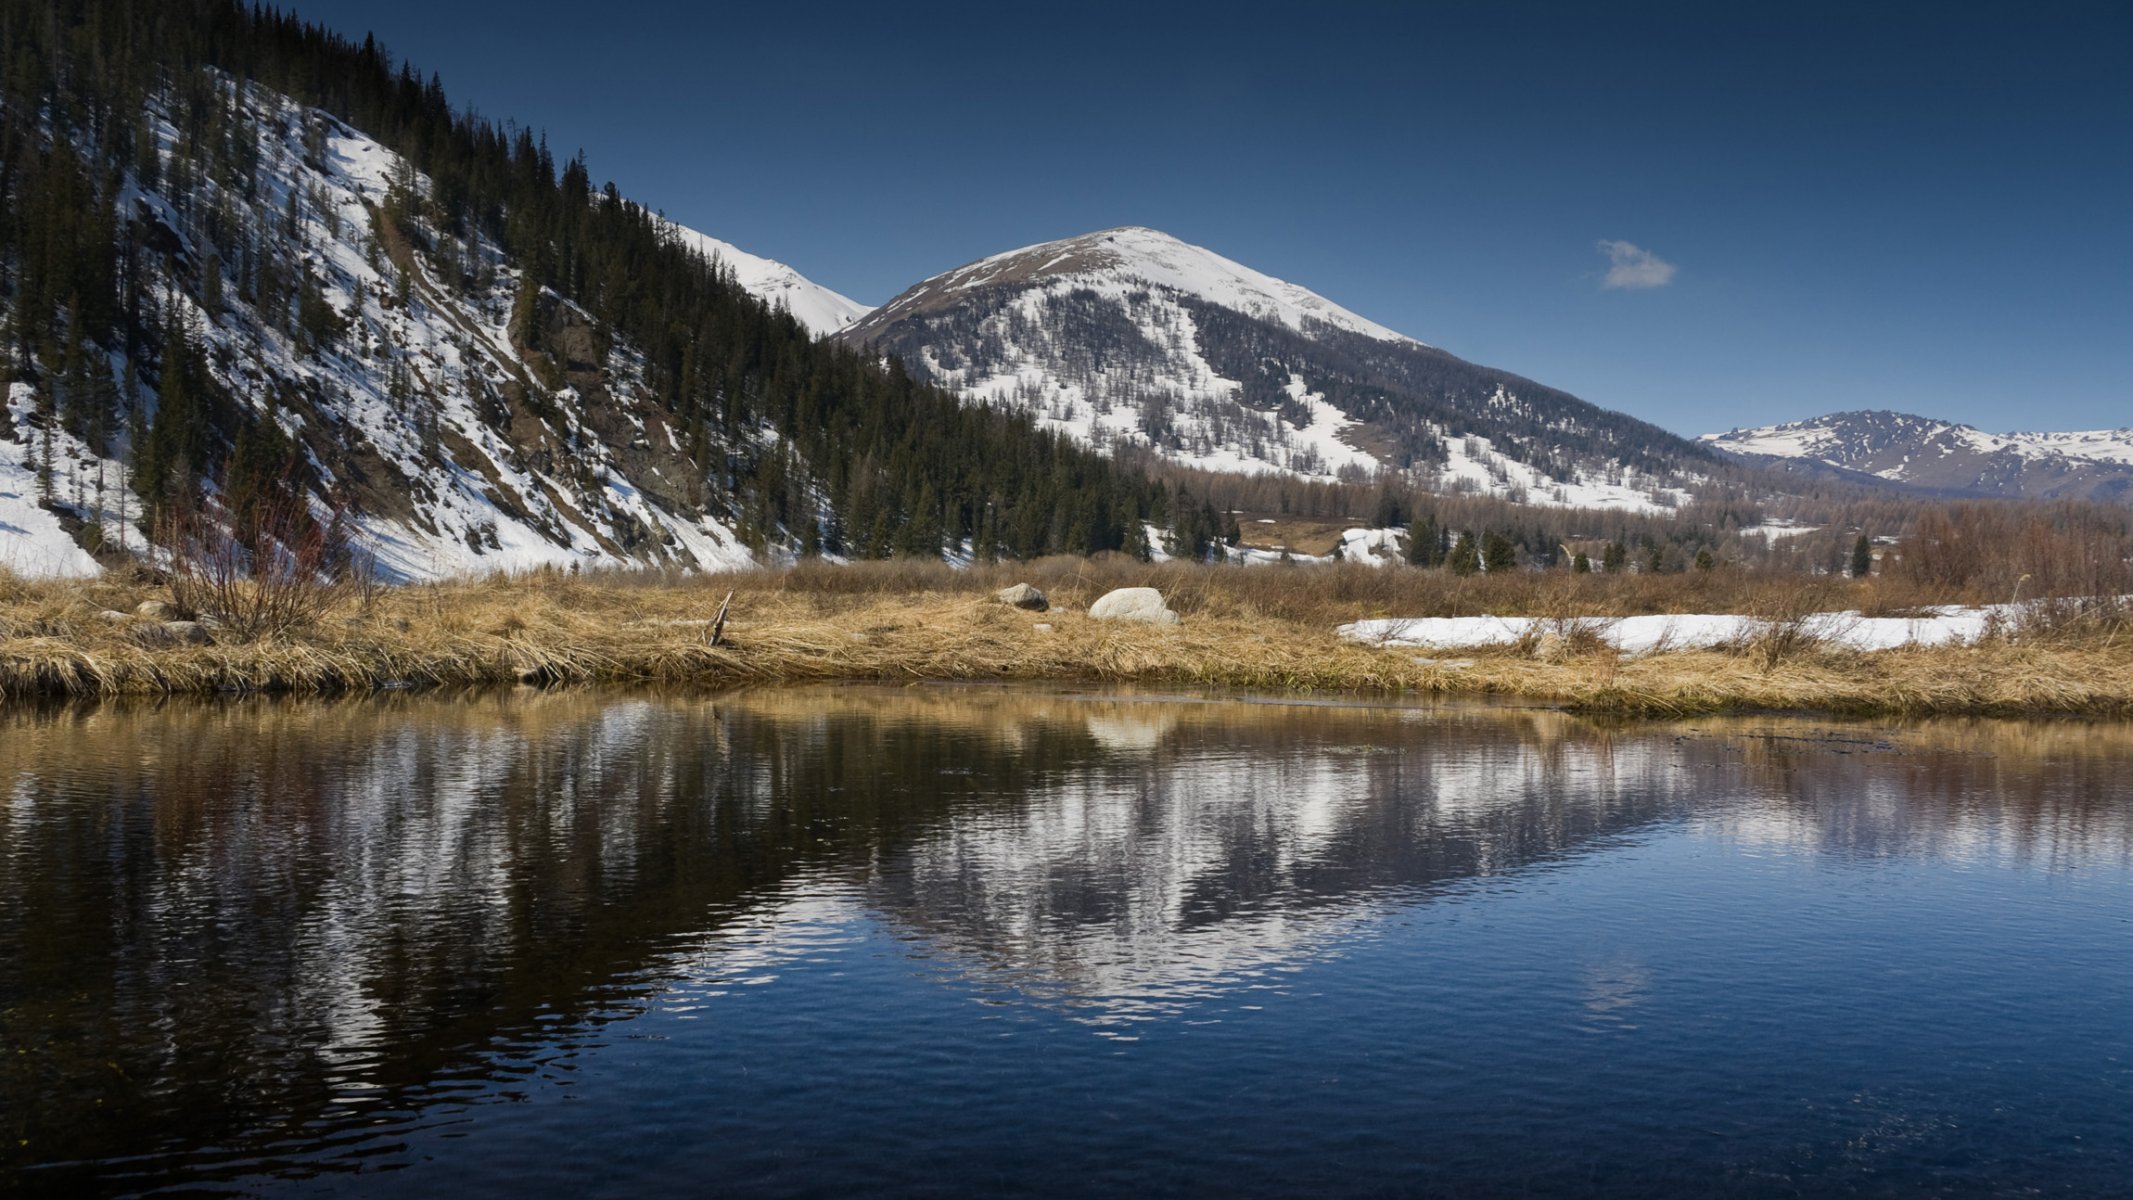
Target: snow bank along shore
1692 631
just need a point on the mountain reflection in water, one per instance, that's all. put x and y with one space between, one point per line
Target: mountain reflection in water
281 938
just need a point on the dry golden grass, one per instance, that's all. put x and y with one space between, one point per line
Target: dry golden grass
1269 628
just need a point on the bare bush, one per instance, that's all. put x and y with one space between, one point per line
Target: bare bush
1784 622
284 570
2007 551
2075 618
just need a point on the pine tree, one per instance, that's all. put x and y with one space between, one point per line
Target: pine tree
1497 553
1862 557
1465 559
1704 559
1614 558
1425 542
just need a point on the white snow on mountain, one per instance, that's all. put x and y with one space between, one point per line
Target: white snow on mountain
1173 401
2104 445
1797 439
1828 439
1196 421
1132 254
410 393
821 310
1473 466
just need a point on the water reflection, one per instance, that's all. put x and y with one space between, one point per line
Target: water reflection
266 935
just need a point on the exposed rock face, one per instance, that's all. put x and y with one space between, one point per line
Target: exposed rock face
158 610
1023 595
1134 604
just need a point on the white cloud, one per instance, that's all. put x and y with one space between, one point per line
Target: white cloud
1633 267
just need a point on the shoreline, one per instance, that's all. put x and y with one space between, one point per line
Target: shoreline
61 641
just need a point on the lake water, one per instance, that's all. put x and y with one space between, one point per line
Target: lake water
1002 942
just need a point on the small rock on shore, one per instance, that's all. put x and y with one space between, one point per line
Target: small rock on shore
1023 596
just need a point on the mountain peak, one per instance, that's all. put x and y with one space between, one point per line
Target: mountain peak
1138 254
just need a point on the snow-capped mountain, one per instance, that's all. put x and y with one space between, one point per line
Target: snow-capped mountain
1943 456
821 310
1132 337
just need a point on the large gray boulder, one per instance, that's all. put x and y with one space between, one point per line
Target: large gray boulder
158 610
1134 604
1023 595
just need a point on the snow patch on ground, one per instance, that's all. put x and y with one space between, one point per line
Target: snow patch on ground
1777 530
33 542
1648 634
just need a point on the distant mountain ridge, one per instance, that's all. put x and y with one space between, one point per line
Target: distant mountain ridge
1947 457
1132 337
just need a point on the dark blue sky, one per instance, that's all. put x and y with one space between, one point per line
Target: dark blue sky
1918 207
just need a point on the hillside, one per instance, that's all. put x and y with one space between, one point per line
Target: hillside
1132 337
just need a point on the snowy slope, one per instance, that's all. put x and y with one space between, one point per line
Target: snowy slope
821 310
422 424
1132 338
1945 456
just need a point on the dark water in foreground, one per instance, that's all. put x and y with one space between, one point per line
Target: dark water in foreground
992 942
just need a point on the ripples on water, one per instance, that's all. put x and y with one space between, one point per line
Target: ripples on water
992 941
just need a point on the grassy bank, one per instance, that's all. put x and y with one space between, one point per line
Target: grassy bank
1267 628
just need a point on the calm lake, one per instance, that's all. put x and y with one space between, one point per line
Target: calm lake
994 941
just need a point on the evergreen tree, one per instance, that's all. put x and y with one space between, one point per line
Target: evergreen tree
1497 553
1614 558
1862 557
1464 559
1425 542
